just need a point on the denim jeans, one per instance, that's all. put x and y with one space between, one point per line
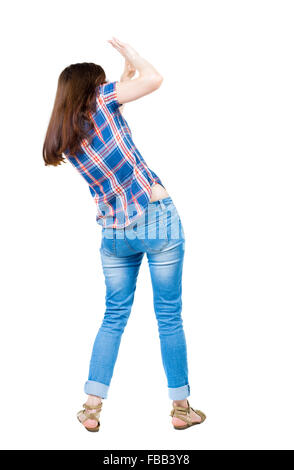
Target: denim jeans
158 233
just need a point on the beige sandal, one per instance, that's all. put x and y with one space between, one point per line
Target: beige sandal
93 415
183 414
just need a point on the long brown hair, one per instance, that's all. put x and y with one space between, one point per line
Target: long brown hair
70 120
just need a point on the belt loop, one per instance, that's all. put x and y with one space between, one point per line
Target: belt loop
161 204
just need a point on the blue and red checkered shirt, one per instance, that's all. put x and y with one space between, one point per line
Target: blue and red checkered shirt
118 177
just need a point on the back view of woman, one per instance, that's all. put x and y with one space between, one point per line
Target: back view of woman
136 214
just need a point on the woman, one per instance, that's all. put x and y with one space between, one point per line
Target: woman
137 216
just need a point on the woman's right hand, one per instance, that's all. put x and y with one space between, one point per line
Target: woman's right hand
124 49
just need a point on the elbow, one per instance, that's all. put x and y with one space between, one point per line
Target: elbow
152 82
157 80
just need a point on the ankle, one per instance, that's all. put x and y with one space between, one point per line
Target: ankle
183 403
93 400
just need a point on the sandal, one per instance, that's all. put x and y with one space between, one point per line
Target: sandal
92 415
183 414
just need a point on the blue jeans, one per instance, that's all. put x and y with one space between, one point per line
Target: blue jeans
158 233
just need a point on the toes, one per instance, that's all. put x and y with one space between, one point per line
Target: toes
196 418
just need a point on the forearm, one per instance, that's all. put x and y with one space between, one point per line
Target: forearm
143 66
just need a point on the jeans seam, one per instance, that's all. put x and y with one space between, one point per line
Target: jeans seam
166 239
151 250
114 244
129 245
111 252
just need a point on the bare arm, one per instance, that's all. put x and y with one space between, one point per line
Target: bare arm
127 75
149 78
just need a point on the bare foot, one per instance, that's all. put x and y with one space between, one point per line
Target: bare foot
194 416
91 401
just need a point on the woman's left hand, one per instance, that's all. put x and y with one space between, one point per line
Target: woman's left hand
129 72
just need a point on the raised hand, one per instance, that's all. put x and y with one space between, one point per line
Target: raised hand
127 51
129 72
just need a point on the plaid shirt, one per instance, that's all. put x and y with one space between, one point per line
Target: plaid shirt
119 179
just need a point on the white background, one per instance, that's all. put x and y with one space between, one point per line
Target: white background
219 133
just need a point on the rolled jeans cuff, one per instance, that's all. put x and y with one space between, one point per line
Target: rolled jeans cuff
96 388
179 393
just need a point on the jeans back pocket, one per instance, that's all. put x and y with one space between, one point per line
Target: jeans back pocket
153 233
108 241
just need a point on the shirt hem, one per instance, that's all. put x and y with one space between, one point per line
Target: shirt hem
153 181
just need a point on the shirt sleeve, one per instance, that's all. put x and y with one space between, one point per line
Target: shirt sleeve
109 94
